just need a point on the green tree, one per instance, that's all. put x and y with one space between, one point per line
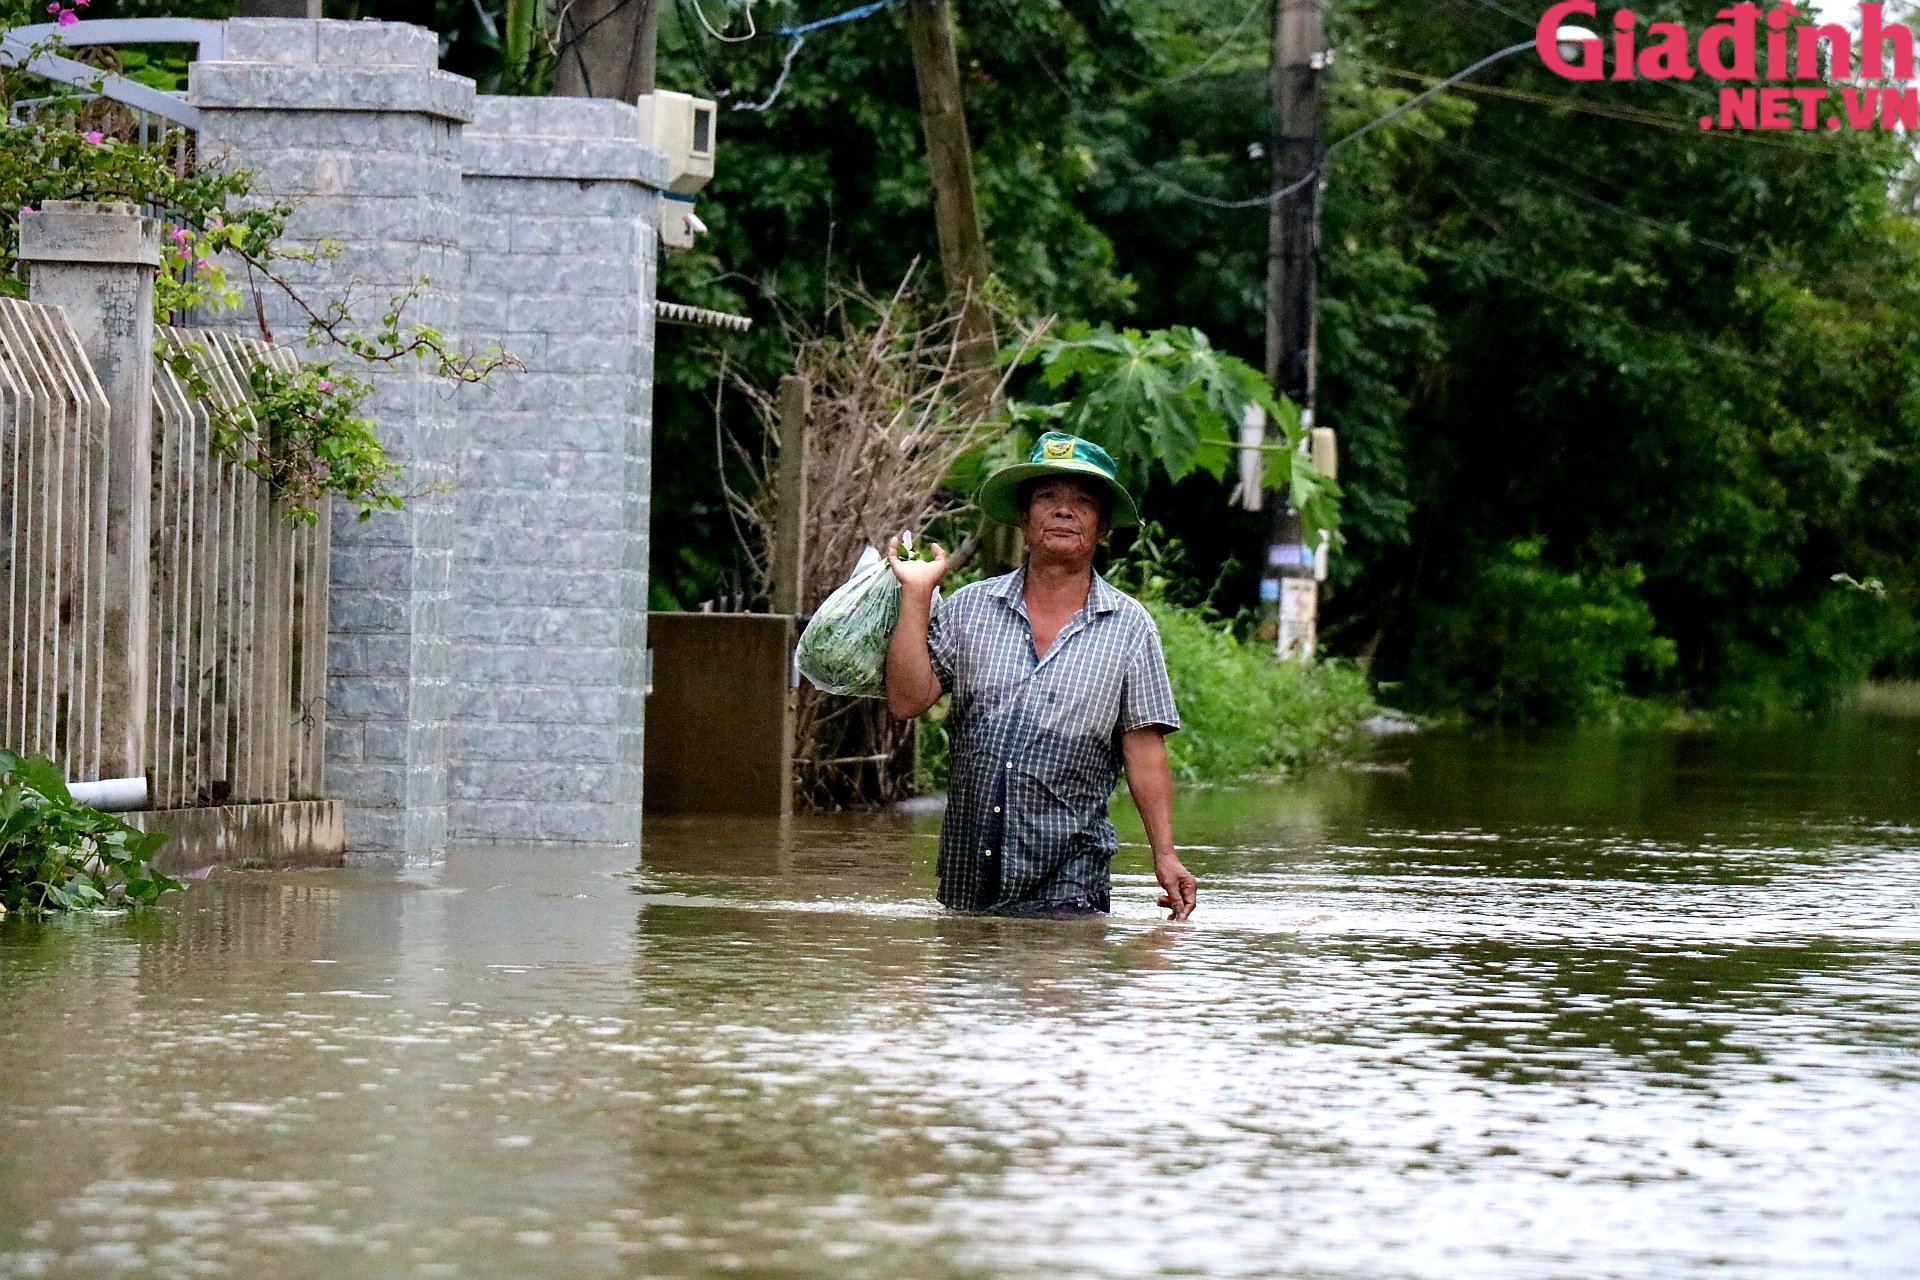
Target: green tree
1553 315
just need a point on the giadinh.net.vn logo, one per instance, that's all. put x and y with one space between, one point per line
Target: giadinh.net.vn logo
1749 43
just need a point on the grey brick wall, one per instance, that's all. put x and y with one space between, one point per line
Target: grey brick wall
356 123
559 222
487 645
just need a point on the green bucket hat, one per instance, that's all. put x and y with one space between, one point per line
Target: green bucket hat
1055 453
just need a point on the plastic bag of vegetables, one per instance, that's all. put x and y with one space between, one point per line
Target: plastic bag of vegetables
844 648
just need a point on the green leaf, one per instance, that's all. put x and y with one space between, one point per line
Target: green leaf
43 776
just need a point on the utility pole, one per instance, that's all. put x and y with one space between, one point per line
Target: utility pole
607 49
956 213
1295 149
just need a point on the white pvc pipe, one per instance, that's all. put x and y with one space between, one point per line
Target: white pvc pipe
111 795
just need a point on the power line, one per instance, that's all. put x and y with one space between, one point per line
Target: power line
834 20
1313 175
1505 12
1658 224
1618 317
1628 114
1073 95
1224 45
1791 269
697 50
1152 83
1614 111
721 36
786 69
798 33
1437 86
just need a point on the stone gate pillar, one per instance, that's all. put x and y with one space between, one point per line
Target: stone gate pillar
551 506
355 122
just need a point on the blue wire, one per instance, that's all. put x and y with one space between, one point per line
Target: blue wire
798 34
851 15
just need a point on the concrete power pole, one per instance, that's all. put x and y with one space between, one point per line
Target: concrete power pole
607 49
1296 146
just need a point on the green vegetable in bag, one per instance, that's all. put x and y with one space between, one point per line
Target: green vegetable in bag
844 648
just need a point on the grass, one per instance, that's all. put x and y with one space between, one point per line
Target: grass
1245 714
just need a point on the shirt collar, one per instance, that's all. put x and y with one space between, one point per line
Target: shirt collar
1102 597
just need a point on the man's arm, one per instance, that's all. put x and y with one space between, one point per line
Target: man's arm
1150 781
912 686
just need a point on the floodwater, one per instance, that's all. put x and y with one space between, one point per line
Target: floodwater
1602 1006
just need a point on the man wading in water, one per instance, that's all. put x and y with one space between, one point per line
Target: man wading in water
1058 682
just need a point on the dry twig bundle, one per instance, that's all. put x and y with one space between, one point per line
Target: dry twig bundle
893 409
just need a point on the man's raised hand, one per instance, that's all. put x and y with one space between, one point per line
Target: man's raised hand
923 574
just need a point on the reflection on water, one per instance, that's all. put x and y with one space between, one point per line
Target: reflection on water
1593 1007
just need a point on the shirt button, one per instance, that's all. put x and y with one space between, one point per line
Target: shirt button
996 808
989 853
1009 764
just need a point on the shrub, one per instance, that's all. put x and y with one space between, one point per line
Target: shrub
59 855
1530 644
1245 713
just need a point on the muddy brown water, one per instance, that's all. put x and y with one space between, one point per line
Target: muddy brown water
1598 1006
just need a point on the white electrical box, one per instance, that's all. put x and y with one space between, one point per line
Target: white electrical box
682 126
678 222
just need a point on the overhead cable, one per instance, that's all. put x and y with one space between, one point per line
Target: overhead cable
721 37
798 33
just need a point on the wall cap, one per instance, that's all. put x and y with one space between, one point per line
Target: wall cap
89 231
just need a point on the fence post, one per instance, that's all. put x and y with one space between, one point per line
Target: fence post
790 530
96 263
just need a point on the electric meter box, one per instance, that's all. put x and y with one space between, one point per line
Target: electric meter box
682 126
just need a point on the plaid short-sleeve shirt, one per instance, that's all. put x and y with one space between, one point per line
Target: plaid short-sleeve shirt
1034 742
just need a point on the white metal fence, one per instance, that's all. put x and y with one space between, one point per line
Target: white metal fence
235 647
53 512
239 607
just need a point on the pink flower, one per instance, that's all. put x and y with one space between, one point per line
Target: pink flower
179 235
26 208
324 385
200 264
81 4
93 139
54 7
68 17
